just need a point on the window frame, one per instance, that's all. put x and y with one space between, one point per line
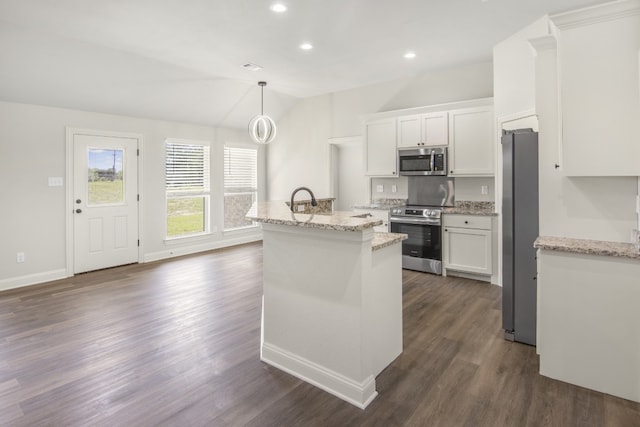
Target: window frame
205 193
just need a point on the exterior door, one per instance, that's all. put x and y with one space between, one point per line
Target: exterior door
105 201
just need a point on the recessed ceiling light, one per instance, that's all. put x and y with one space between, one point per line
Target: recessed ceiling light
278 7
410 55
306 46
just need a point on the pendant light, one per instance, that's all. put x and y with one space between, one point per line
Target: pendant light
262 129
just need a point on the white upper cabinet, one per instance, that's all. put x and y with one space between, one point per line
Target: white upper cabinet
471 142
380 147
423 130
599 86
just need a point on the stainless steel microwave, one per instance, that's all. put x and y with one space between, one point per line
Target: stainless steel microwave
422 161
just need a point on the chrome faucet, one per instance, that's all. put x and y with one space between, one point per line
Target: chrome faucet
314 202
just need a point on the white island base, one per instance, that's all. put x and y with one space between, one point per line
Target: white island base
332 307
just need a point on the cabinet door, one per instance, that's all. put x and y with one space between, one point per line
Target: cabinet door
599 90
380 147
471 142
467 250
435 130
409 131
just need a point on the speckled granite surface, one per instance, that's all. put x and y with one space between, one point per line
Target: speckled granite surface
279 213
382 240
589 247
382 204
472 208
324 205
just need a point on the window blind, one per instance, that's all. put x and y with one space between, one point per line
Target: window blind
187 168
240 170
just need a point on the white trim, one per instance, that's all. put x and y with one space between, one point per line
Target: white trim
359 394
596 14
32 279
539 44
192 249
70 134
343 140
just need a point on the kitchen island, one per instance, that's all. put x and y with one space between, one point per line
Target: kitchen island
332 299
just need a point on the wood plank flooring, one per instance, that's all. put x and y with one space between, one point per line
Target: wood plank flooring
176 343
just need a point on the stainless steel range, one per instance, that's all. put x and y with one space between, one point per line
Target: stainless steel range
421 221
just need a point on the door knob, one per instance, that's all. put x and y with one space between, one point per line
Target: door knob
78 201
78 210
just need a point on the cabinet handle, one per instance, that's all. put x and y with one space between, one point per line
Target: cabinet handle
466 222
446 229
450 171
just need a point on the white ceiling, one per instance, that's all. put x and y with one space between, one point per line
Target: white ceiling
181 59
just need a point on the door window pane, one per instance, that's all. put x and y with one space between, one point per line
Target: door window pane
105 176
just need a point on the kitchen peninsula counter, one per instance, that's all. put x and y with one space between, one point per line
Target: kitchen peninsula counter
587 247
332 298
588 322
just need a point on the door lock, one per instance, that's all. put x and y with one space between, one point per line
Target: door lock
78 201
78 210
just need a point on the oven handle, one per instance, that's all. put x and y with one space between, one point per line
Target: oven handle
416 221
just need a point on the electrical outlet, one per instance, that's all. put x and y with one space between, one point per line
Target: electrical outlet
20 257
484 190
380 188
394 188
300 208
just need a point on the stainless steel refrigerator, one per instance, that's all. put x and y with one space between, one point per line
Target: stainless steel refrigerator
519 231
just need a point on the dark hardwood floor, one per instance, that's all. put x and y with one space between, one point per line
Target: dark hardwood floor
176 343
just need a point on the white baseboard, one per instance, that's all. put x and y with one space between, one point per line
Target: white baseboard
351 391
32 279
201 247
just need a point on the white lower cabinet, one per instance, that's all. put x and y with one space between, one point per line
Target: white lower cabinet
382 214
467 244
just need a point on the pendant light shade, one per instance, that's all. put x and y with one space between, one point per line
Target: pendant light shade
262 129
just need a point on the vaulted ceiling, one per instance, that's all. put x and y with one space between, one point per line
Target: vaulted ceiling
182 59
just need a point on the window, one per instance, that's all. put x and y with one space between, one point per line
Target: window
240 186
187 187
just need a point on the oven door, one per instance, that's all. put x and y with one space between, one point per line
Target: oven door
422 250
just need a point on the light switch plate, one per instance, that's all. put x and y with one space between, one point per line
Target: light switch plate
56 181
380 188
484 190
394 188
300 208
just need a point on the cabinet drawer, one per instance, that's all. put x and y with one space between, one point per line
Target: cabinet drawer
467 221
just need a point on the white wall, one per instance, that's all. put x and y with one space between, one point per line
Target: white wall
300 155
32 216
590 208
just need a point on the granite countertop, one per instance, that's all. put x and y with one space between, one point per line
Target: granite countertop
589 247
381 204
464 207
382 240
278 212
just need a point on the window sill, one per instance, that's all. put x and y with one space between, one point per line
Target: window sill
186 239
242 230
